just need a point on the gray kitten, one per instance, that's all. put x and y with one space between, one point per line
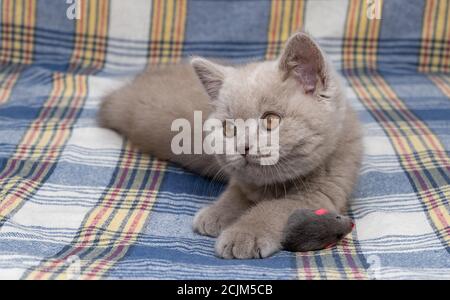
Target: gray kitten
319 134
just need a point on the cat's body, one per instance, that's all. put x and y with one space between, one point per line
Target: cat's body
144 111
320 139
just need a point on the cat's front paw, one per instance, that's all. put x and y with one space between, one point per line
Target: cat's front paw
210 221
245 242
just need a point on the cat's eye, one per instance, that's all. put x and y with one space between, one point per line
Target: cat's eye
229 129
271 120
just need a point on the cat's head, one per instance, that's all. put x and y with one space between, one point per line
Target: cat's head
299 95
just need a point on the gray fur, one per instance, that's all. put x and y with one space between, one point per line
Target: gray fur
320 139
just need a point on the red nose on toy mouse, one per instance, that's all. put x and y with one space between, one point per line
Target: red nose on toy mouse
308 230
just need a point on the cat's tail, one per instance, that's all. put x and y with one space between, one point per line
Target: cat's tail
143 111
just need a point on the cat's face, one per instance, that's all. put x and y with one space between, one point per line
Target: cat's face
290 99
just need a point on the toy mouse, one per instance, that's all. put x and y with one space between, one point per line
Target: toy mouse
308 230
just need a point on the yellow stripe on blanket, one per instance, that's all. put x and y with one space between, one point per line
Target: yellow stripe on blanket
167 31
17 31
286 17
435 45
91 34
114 224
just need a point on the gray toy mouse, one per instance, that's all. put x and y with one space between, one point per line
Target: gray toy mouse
308 230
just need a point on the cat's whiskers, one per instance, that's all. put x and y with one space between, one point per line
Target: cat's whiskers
218 176
277 169
285 163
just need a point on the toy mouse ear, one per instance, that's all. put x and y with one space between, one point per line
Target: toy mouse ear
321 212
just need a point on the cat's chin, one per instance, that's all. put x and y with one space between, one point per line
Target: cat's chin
256 174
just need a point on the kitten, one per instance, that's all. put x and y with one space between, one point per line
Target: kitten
319 135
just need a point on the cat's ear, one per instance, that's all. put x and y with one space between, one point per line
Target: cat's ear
303 60
210 74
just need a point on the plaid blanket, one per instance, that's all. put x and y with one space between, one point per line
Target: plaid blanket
78 201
